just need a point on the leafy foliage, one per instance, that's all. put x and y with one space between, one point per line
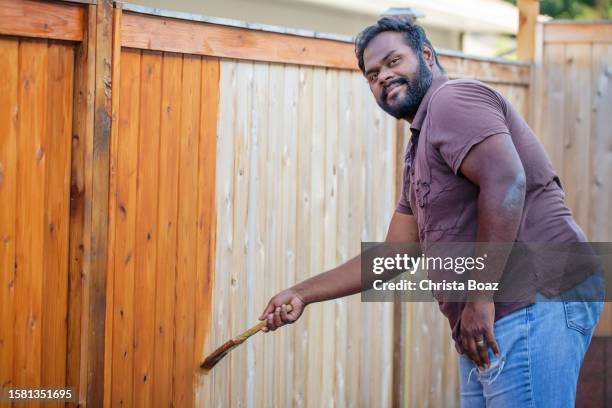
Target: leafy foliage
575 9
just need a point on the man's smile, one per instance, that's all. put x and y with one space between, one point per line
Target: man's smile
394 89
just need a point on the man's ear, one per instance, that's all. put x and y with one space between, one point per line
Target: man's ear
428 54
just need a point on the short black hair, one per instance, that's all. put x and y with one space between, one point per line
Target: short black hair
413 33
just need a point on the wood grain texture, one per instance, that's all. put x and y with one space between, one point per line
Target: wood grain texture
206 234
219 391
342 377
60 74
577 32
303 260
265 80
600 201
237 272
150 77
528 14
169 149
98 263
80 203
9 131
33 65
289 135
486 71
185 292
162 210
125 195
167 34
112 207
42 19
330 228
36 108
577 131
574 68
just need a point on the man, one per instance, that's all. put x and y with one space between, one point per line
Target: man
474 172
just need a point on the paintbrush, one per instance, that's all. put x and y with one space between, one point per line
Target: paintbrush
216 356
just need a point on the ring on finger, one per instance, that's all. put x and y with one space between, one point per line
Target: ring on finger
480 343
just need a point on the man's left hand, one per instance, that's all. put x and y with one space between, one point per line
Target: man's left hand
477 332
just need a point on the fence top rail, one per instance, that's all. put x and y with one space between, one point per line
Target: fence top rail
153 11
577 22
80 1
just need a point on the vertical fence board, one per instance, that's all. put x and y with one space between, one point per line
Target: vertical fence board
303 266
289 133
577 133
30 212
167 228
600 200
125 226
145 252
552 132
9 108
257 269
225 248
316 337
80 203
187 229
206 218
358 390
238 278
345 117
330 225
270 139
601 160
57 184
113 214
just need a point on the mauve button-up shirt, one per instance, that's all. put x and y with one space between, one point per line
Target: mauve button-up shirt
454 116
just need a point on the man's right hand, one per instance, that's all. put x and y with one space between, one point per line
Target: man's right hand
276 312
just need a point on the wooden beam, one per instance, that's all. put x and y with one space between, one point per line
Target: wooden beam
190 37
576 32
80 208
42 19
528 15
99 205
493 72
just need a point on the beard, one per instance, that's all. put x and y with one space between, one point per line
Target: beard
407 103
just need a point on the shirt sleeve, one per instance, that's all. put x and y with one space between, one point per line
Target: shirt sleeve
403 205
461 115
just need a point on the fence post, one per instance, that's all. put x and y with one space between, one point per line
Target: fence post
99 205
528 15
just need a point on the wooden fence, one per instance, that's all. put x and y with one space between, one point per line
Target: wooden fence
572 98
162 175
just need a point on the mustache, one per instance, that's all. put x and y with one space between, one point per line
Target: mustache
398 81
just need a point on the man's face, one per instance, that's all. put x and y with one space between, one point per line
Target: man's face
398 78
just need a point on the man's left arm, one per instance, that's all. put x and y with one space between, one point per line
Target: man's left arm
495 167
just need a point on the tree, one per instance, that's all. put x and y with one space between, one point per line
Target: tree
575 9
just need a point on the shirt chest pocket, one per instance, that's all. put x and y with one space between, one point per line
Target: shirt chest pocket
419 195
422 188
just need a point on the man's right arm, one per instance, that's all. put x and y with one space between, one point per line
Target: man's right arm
341 281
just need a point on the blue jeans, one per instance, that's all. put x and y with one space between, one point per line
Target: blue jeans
542 347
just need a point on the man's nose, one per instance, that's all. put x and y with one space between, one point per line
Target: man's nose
385 76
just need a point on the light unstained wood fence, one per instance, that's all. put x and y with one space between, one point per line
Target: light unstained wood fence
229 164
572 111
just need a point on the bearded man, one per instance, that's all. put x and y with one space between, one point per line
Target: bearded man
474 172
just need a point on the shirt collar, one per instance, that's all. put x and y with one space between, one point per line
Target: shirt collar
422 111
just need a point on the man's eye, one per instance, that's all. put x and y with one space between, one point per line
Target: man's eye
394 61
373 77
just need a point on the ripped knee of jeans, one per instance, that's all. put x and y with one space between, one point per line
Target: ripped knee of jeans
490 374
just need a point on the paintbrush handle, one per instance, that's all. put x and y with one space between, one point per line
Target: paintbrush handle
229 345
242 337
